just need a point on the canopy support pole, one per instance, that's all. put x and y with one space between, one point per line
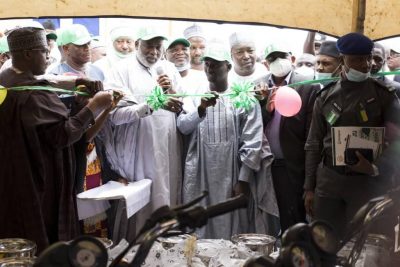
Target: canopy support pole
359 7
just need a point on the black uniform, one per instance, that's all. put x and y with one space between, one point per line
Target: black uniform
339 193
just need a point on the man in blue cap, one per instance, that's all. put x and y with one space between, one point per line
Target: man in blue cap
356 100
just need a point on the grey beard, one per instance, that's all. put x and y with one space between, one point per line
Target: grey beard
143 60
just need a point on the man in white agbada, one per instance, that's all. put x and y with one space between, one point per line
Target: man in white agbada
156 147
244 56
228 155
123 46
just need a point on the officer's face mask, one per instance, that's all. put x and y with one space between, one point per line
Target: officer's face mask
357 76
320 75
280 67
307 72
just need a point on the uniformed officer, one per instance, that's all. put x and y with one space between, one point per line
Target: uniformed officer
355 101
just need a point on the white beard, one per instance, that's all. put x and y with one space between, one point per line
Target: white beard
143 60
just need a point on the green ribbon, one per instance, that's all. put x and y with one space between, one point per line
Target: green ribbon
157 99
384 73
45 88
242 95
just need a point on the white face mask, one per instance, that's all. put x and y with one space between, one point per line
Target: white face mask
183 68
307 72
357 76
120 55
280 67
321 75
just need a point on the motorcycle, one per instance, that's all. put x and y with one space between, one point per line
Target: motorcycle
86 251
316 244
313 245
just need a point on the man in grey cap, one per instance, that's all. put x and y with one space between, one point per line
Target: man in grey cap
244 56
198 44
328 63
327 66
354 101
36 134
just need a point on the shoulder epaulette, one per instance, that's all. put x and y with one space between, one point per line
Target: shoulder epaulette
384 85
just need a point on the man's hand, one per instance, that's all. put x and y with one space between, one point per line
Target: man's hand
174 105
89 86
207 102
165 83
309 202
101 101
241 187
122 181
261 91
362 166
117 96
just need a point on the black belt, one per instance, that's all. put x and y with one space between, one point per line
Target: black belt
342 170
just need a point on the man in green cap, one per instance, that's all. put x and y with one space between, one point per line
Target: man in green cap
226 149
157 144
287 135
178 53
76 50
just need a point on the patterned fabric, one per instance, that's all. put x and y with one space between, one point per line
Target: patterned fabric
96 225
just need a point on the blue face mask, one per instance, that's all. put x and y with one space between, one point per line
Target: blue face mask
357 76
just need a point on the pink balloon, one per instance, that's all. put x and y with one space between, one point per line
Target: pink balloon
287 101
